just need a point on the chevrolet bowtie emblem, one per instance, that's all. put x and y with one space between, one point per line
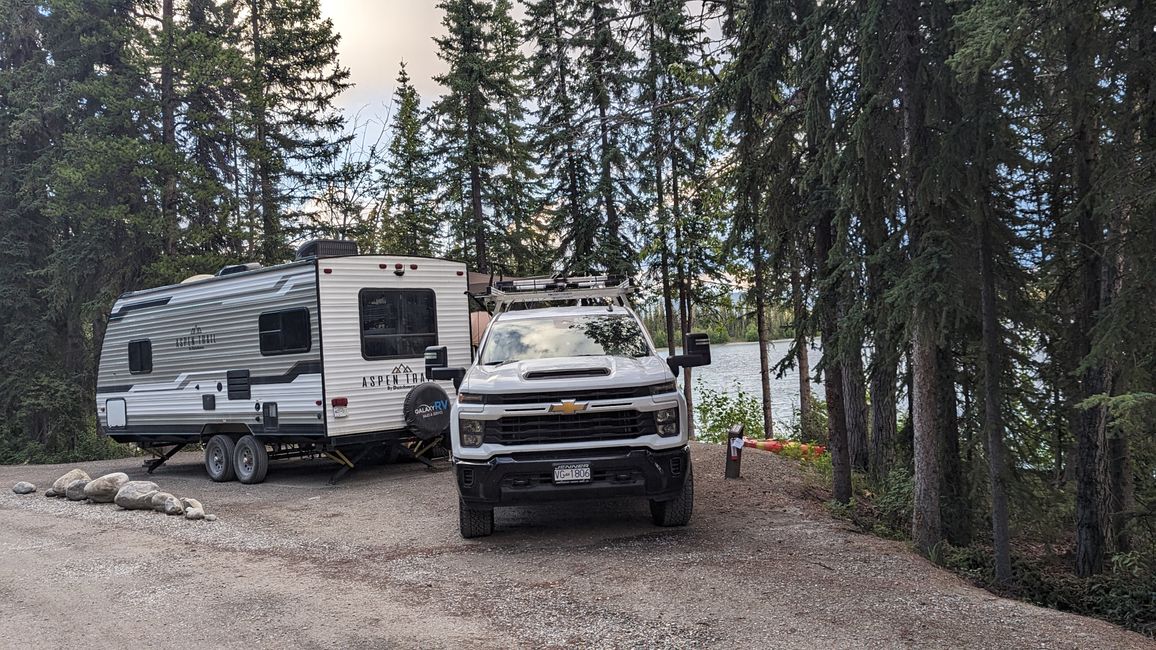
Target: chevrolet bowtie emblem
568 407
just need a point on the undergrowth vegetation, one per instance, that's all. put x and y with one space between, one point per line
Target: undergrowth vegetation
1042 557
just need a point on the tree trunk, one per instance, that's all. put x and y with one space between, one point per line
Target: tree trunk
854 394
802 350
1090 423
761 325
926 530
832 368
993 408
955 511
168 134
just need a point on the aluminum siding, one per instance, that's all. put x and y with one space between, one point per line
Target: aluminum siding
226 310
377 408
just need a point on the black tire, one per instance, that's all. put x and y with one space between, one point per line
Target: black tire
251 460
219 459
474 522
678 510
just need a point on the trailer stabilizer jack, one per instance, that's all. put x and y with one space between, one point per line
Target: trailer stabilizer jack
346 463
153 464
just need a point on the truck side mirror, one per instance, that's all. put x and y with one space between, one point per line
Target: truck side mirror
695 352
436 366
697 345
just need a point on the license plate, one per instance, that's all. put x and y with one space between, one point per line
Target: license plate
340 411
576 473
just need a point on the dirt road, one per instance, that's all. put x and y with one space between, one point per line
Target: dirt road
377 562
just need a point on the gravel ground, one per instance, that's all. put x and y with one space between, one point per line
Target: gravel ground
377 562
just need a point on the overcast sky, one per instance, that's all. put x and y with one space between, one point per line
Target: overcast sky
375 36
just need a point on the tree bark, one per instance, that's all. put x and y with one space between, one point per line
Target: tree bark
955 511
761 325
832 368
854 394
802 353
926 531
168 133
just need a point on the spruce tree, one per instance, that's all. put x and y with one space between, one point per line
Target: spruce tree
409 221
295 76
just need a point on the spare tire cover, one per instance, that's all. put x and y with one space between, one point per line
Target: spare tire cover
427 410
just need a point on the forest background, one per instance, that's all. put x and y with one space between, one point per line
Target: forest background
956 198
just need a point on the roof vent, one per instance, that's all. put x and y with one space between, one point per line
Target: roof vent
327 248
238 268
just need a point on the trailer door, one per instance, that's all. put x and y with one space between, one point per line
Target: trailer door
378 314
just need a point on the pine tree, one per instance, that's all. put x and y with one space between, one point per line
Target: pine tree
410 221
295 78
482 146
558 140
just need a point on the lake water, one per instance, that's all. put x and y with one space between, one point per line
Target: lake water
737 365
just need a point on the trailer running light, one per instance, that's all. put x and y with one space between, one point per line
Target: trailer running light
383 266
413 267
340 407
329 270
399 266
340 401
461 273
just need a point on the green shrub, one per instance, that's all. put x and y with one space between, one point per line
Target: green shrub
718 412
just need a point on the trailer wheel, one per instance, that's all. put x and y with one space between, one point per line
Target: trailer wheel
219 458
474 522
677 511
251 460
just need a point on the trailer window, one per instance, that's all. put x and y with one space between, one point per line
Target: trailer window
397 323
140 357
285 332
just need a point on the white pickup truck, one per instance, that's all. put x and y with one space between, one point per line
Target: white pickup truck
567 399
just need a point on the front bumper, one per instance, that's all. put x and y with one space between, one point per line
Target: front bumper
529 478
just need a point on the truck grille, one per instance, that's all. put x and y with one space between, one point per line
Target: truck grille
579 427
585 395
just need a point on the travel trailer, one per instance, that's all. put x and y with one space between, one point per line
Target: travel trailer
319 356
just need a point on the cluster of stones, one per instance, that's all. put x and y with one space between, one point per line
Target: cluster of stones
116 488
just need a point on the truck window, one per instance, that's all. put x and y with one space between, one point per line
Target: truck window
140 357
397 323
285 332
570 336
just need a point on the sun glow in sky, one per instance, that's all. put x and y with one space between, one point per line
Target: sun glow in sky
376 35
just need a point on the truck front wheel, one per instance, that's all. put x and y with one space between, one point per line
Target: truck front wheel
677 511
474 522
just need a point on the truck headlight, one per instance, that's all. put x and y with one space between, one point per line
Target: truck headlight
470 432
663 388
666 422
469 398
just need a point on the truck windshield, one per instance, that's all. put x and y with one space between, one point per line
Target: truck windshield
569 336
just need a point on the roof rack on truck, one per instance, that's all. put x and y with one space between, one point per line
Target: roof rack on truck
506 293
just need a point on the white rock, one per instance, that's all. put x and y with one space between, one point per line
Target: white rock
75 490
104 489
24 487
192 503
136 495
210 517
61 484
158 500
173 506
194 513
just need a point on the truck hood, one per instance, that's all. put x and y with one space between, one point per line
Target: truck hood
566 373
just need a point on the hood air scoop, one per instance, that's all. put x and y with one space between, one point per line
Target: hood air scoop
561 373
